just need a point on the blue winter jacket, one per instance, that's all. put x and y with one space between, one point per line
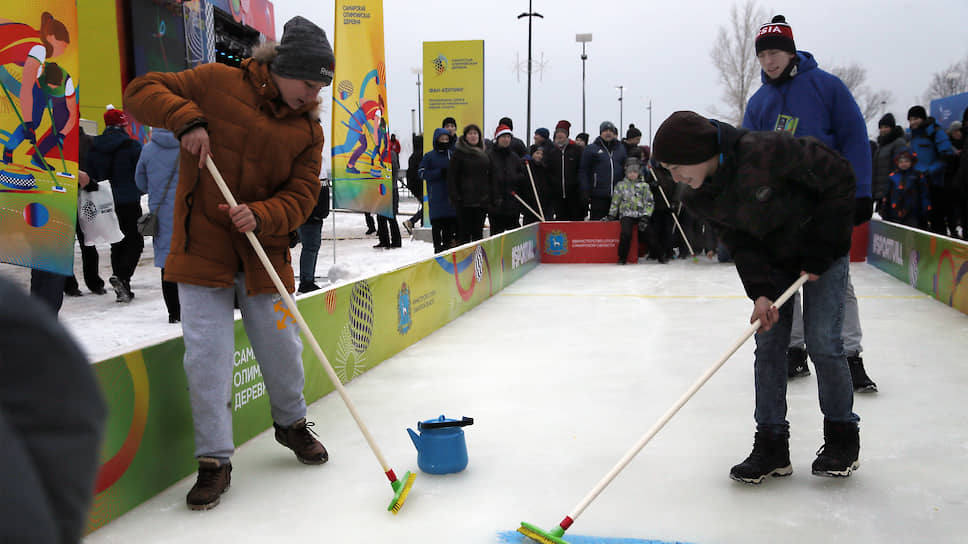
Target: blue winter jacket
602 167
433 169
157 165
933 149
822 107
114 156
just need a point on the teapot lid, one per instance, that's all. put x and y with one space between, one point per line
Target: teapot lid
444 422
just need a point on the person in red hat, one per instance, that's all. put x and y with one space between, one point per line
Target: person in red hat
114 156
507 177
563 159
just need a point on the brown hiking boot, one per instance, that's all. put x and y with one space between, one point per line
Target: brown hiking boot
299 438
214 477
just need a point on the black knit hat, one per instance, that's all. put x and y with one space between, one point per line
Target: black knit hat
304 52
448 121
917 111
887 121
506 121
632 132
777 34
685 138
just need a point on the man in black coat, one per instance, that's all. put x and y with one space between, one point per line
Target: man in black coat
563 160
785 208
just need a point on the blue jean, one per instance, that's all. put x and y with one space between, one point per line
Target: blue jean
853 335
310 236
823 317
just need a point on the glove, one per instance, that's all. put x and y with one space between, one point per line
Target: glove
29 132
863 208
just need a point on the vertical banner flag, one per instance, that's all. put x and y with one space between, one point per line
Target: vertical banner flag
362 174
38 133
453 86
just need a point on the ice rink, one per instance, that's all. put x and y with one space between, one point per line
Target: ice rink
563 372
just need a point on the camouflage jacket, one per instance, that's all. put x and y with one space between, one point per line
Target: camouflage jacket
632 199
783 204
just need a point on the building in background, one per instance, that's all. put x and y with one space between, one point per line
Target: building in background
124 39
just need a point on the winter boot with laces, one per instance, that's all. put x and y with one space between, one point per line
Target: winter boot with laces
214 477
300 439
862 382
770 457
841 448
797 363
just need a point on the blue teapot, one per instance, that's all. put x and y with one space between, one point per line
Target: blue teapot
440 446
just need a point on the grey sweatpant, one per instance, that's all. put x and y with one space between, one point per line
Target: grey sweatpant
852 334
207 324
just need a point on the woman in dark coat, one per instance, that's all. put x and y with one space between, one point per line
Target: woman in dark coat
469 184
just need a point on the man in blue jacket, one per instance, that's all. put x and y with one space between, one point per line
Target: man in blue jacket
602 166
800 98
933 150
114 156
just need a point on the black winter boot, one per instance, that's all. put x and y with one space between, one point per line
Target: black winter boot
838 455
214 478
797 363
862 383
770 457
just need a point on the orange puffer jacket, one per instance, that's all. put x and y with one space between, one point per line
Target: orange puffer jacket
269 154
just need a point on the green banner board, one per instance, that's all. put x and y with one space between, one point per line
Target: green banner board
936 265
149 441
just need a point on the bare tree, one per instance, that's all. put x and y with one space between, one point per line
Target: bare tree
871 102
951 80
733 56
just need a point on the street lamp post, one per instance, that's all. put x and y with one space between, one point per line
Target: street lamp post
650 122
419 71
621 89
531 14
583 39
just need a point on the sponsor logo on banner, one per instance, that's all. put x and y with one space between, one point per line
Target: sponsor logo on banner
522 254
888 249
440 64
556 243
403 309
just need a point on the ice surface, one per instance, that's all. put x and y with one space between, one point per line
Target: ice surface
563 372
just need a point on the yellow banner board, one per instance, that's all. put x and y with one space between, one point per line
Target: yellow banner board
453 85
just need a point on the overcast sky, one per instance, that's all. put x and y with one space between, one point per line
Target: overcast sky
656 49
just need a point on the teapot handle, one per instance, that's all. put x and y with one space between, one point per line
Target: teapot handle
440 425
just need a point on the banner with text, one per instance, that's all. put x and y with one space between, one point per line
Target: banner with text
583 242
149 444
453 86
932 264
38 133
362 173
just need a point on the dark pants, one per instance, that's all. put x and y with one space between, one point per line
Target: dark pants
501 222
388 230
660 234
940 210
169 291
370 223
90 262
310 235
444 230
470 224
49 287
126 253
629 226
600 206
417 216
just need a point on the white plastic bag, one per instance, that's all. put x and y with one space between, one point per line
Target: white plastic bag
96 215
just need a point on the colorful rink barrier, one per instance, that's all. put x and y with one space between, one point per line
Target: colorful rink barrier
149 443
583 242
933 264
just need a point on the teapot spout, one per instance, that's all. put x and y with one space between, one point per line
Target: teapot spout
415 438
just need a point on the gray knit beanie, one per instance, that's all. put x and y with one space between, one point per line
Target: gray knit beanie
304 52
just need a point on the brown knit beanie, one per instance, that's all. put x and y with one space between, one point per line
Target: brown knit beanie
685 138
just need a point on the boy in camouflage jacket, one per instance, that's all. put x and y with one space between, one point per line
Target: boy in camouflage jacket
785 208
632 204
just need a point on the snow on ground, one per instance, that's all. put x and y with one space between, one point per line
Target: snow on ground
105 328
